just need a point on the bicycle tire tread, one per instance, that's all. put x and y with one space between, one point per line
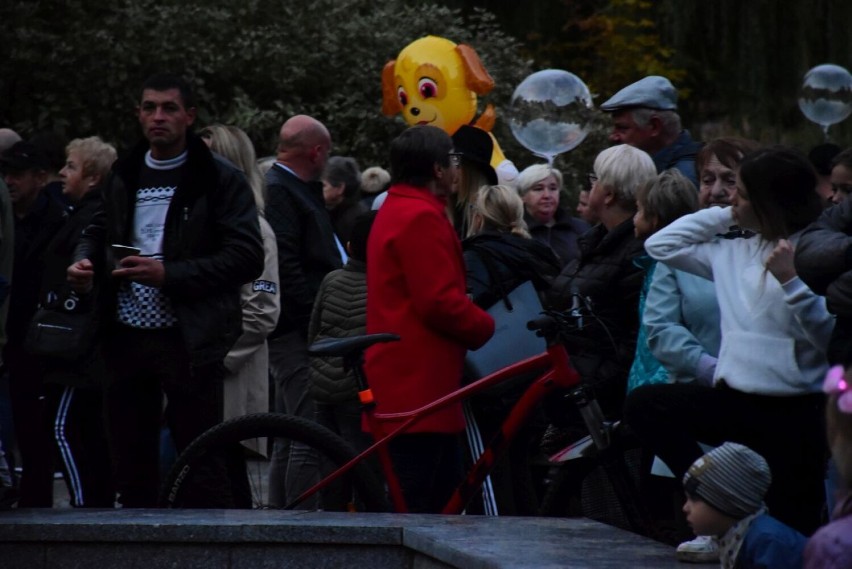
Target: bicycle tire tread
272 425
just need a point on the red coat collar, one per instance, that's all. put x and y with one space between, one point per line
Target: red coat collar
406 191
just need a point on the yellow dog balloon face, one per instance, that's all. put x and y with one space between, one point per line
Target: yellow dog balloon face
435 81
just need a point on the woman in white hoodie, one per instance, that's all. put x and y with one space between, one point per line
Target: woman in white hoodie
775 330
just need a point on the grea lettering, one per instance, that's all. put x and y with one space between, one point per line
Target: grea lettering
265 286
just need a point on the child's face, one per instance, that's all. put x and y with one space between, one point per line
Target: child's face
704 519
644 225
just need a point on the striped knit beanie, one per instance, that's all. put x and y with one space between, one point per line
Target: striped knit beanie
732 478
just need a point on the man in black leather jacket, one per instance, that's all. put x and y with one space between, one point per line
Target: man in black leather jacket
173 309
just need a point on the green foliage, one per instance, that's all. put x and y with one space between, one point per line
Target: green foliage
76 66
624 38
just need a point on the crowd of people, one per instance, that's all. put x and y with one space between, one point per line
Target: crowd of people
715 276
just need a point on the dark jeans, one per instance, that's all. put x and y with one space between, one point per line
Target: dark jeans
144 365
35 441
429 467
670 420
293 468
345 420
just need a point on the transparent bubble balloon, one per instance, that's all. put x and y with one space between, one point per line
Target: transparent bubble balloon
826 95
550 112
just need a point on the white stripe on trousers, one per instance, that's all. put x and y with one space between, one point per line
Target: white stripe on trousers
73 476
474 441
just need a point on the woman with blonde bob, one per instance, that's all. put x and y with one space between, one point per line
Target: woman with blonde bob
72 390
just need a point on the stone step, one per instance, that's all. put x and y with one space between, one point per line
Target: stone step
239 539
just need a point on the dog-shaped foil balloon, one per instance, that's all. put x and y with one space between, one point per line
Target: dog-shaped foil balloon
435 81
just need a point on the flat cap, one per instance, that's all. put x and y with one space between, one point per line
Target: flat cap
652 92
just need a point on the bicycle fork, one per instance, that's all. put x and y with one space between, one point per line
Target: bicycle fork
612 459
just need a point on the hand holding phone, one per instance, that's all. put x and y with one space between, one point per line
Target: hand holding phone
143 270
122 251
119 252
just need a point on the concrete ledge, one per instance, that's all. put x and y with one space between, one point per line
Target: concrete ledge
235 539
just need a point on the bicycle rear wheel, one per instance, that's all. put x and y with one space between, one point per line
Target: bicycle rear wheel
247 470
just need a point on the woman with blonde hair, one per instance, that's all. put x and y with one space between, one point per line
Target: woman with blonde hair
72 389
235 145
247 384
472 150
500 255
498 232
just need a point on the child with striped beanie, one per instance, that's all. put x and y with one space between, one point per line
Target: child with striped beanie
724 499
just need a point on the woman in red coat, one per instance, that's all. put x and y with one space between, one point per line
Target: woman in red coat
416 288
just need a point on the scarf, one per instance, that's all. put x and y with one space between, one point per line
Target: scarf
732 541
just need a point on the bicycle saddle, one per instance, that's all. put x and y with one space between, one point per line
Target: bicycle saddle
345 347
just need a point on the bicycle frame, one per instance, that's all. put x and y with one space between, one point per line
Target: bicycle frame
557 374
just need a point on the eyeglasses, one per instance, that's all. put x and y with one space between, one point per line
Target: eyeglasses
592 177
455 159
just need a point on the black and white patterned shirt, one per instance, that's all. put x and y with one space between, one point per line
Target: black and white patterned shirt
142 306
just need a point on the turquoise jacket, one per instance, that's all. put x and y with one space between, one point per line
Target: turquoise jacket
646 369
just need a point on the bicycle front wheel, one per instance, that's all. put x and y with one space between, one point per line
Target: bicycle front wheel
243 444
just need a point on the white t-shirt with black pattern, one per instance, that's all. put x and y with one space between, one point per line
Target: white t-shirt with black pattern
141 306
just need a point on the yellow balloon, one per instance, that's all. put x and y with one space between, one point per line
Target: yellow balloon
436 82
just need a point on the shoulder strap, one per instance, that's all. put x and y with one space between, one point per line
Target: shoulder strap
493 273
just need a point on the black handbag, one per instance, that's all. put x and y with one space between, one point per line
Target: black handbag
64 328
511 342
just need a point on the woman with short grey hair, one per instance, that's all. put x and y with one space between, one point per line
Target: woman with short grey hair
605 282
540 187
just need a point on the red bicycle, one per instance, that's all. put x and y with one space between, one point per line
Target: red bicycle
351 473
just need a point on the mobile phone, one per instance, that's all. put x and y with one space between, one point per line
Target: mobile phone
121 251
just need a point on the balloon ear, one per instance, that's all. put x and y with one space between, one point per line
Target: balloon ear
487 119
390 102
477 78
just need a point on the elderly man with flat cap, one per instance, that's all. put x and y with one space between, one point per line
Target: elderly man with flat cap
644 115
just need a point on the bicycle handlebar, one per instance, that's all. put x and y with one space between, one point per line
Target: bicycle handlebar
542 323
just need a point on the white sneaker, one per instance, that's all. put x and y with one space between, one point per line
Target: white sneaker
702 549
